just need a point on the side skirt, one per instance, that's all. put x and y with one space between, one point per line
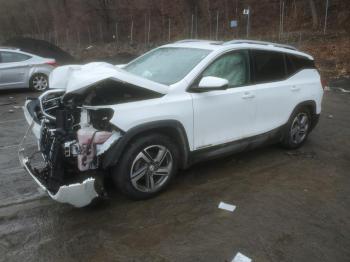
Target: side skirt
241 145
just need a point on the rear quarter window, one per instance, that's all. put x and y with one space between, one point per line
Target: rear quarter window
297 63
268 66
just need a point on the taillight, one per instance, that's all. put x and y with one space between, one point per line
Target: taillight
52 63
323 83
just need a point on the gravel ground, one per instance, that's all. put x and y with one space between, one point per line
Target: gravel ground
291 205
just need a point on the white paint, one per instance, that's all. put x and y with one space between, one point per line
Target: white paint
101 149
75 78
227 207
212 82
241 258
78 195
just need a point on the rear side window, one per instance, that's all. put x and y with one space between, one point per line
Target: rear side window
11 57
268 66
296 63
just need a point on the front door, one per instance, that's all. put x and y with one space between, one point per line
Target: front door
226 115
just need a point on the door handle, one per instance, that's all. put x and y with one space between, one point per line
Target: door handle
295 88
248 95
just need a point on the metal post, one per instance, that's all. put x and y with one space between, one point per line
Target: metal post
217 25
192 27
78 38
169 30
149 29
116 34
282 29
101 32
196 23
67 36
210 33
131 31
89 35
325 19
248 22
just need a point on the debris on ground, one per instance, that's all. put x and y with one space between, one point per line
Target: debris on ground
301 154
227 207
330 116
241 258
7 103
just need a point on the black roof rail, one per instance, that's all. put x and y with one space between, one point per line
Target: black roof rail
199 40
260 43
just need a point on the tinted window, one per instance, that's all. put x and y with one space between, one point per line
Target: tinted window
11 57
234 67
268 66
296 63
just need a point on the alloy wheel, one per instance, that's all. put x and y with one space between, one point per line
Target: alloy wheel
151 168
299 128
40 83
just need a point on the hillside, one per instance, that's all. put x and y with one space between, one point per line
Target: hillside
133 26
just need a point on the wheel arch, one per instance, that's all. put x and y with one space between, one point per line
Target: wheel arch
171 128
312 107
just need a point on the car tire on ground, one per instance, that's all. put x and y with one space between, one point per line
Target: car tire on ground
39 82
146 167
298 129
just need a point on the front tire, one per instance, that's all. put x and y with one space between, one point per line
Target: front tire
39 82
146 167
298 129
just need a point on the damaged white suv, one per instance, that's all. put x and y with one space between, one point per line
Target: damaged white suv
174 106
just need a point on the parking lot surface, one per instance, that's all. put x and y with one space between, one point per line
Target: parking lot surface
291 205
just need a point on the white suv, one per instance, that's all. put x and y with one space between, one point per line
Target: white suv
166 110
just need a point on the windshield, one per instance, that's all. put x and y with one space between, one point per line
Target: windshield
167 65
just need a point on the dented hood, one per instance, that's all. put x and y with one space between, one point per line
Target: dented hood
76 78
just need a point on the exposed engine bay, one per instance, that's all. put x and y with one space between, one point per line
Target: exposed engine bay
74 131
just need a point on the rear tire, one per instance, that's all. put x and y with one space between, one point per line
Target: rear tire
39 82
298 129
146 167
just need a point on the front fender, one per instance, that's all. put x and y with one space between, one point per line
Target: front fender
112 156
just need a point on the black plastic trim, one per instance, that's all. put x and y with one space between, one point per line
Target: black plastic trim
113 154
237 146
33 106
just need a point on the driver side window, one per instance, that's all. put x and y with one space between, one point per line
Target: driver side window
233 66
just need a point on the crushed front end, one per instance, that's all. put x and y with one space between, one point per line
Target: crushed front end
72 139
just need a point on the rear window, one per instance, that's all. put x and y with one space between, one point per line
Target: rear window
268 66
11 57
296 63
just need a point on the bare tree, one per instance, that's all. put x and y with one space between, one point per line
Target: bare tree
314 14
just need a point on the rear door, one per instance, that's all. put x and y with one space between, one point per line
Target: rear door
226 115
14 69
275 95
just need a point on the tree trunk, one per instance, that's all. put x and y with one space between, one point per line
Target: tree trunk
314 14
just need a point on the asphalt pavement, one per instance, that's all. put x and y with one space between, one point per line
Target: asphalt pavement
290 205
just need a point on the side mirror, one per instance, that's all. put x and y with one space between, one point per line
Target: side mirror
211 83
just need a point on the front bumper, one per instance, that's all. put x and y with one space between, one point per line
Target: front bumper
78 194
